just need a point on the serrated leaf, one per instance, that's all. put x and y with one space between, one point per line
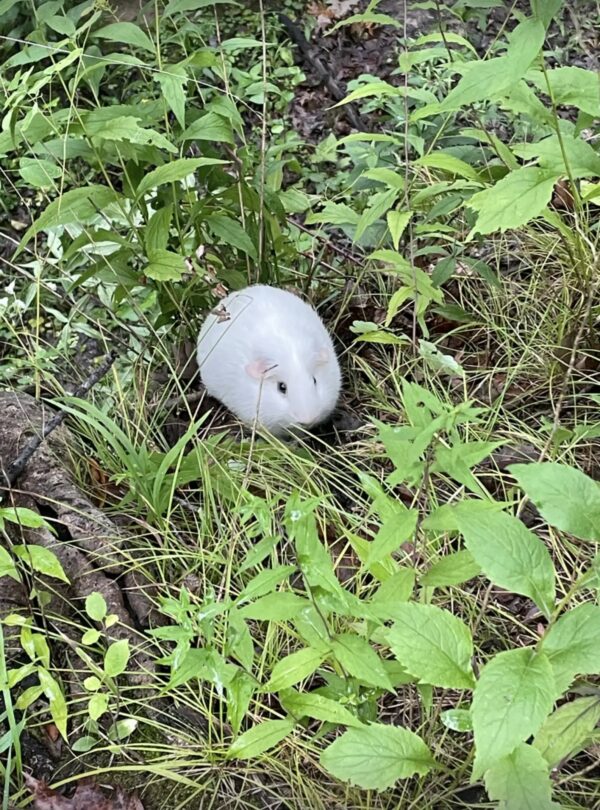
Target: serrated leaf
568 730
333 214
377 756
573 645
173 172
77 206
232 233
164 265
116 658
23 516
41 560
567 498
574 86
513 201
512 698
393 532
387 176
393 591
309 704
397 222
567 155
294 668
521 781
360 660
279 607
259 739
265 582
453 569
172 81
433 645
206 665
95 606
128 33
209 127
377 89
509 554
126 128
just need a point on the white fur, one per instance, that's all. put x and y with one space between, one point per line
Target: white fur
268 336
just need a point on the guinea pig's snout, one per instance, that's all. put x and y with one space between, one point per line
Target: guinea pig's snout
304 420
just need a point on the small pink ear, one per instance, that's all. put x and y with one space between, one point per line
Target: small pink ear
322 357
260 368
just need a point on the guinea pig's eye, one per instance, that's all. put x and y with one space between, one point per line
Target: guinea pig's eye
282 387
315 380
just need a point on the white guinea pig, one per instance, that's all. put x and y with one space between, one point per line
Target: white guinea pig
267 356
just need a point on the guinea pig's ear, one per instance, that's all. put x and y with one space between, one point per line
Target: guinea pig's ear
322 357
263 367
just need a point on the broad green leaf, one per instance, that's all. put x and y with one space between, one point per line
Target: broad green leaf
240 691
512 698
387 176
448 163
126 128
433 645
581 157
39 172
56 701
574 86
396 589
7 566
568 730
206 665
232 233
546 10
513 201
77 206
63 25
567 498
457 719
370 90
23 516
397 222
521 781
453 569
172 80
127 32
447 36
173 172
294 668
275 607
309 704
164 265
573 645
509 554
379 204
334 214
95 606
183 6
98 704
116 658
156 232
265 582
41 560
209 127
259 739
360 660
377 756
394 531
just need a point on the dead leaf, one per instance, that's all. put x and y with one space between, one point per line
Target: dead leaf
329 11
87 796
